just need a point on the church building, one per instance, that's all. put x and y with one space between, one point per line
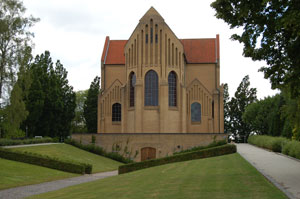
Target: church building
159 93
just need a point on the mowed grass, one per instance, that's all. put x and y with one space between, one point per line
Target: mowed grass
71 153
228 176
13 174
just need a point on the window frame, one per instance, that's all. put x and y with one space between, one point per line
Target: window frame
116 113
151 89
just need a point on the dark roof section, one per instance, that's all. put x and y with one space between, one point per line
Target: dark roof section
196 51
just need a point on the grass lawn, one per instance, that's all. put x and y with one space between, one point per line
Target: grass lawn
13 174
228 176
68 152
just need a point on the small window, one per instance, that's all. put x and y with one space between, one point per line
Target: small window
196 112
172 89
156 38
151 35
132 80
116 112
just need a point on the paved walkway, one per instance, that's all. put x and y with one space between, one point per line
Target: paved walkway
25 191
24 145
281 170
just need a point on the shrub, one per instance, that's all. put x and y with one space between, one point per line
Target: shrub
197 148
205 153
292 148
99 151
272 143
46 161
8 142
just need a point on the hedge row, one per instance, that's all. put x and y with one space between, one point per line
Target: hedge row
197 148
8 142
99 151
45 161
205 153
277 144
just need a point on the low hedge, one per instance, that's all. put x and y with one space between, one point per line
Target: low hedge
45 161
99 151
8 142
292 148
197 148
205 153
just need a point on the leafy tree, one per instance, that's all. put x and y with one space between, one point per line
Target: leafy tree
51 101
271 32
14 38
90 106
79 124
226 99
243 96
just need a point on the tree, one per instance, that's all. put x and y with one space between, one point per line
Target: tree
243 96
14 38
226 98
51 101
271 32
79 124
90 106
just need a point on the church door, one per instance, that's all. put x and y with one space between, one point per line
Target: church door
148 153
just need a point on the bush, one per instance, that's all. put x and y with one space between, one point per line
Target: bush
99 151
46 161
197 148
205 153
272 143
8 142
292 148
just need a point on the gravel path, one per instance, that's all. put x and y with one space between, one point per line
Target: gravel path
25 191
281 170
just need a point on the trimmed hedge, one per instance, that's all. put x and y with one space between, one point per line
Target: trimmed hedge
99 151
205 153
197 148
46 161
8 142
277 144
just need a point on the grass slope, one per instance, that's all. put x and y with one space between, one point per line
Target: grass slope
13 174
228 176
71 153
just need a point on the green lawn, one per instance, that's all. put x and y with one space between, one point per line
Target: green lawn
13 174
228 176
68 152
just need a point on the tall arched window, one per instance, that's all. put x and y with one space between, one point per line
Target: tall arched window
132 81
196 112
172 89
151 88
116 112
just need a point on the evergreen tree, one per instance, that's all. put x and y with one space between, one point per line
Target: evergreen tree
90 106
226 98
79 124
243 96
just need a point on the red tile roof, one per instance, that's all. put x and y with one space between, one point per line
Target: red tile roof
196 50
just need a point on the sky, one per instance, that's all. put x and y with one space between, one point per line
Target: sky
74 32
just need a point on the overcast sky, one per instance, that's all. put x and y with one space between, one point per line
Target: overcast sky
74 32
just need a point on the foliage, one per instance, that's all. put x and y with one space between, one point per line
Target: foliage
51 100
243 96
46 161
271 33
226 177
14 38
275 144
9 142
292 148
99 151
78 123
90 106
197 148
226 100
14 174
205 153
15 113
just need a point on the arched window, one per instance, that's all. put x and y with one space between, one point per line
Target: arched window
172 89
151 88
132 81
196 112
116 112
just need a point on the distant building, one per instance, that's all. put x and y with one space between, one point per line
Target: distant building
159 93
